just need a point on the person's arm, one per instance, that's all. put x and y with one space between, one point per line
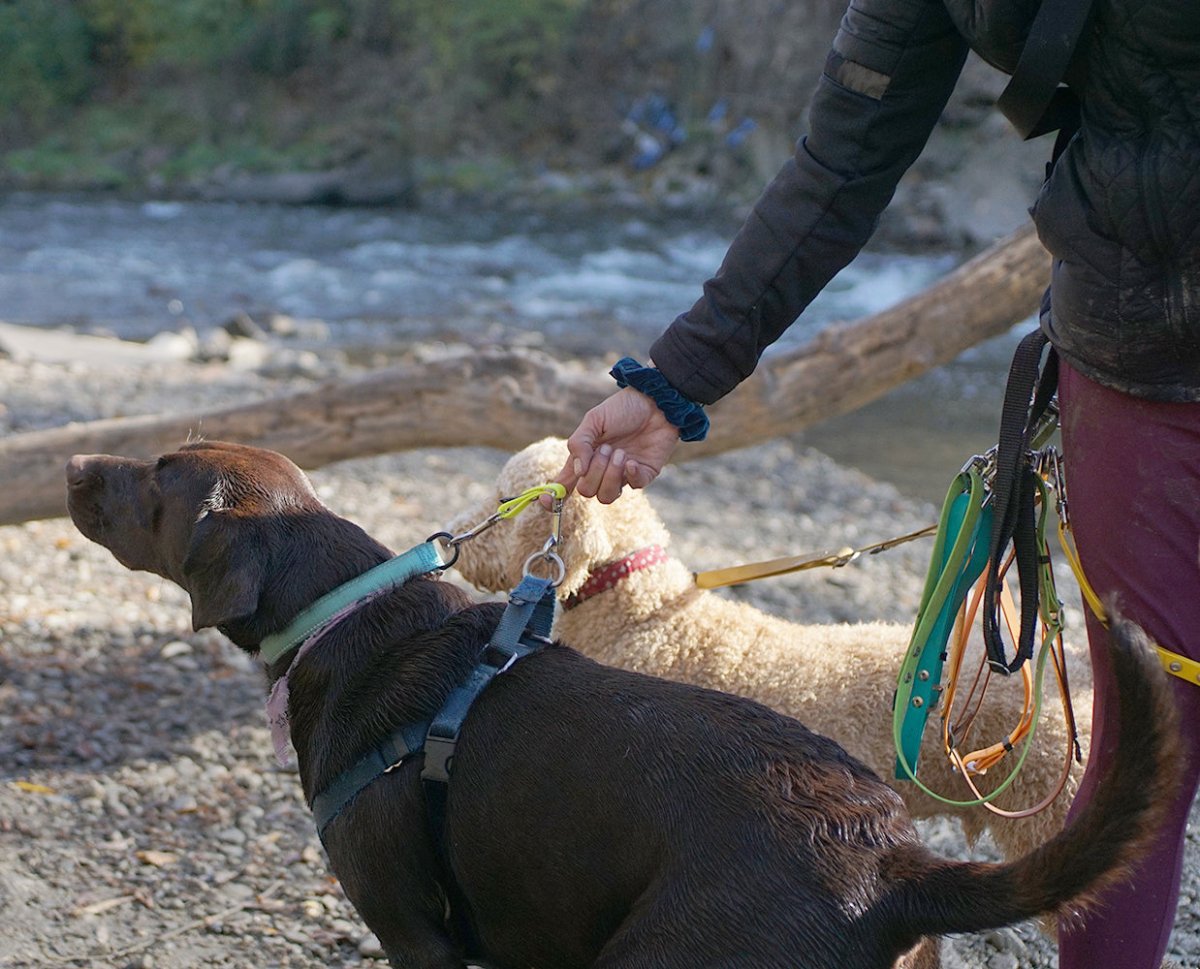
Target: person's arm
886 80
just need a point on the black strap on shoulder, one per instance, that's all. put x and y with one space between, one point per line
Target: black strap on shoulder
523 630
1027 397
382 759
530 611
1033 100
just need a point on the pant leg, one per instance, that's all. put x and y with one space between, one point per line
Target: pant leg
1133 481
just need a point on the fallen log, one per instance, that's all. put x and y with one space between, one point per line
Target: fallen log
506 398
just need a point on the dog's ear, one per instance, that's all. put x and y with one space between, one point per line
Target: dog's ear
224 570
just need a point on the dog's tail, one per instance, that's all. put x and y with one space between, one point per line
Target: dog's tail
1094 850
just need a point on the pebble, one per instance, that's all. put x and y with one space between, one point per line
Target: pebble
369 947
237 892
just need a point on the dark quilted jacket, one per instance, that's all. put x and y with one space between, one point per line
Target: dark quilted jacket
1120 213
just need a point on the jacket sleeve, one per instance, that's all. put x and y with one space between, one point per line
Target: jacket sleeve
886 80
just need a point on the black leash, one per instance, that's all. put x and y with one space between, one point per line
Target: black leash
1027 398
1034 100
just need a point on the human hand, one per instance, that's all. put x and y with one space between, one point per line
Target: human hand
624 440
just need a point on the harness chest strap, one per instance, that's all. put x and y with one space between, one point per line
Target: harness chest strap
380 760
521 632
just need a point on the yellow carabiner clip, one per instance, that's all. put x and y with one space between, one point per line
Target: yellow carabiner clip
511 507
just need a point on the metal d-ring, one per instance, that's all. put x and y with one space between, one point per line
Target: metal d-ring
445 541
547 554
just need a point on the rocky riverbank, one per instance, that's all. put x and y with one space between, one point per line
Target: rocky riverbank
144 823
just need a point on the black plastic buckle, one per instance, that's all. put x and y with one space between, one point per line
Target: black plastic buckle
439 758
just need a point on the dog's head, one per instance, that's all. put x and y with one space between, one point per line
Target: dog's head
592 534
224 521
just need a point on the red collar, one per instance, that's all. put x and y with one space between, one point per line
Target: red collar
609 575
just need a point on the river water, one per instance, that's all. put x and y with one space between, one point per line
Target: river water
381 279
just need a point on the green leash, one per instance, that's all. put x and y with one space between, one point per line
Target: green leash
960 554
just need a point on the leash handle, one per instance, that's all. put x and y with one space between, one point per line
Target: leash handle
954 566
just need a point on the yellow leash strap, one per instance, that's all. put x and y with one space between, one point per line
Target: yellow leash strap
735 574
1174 663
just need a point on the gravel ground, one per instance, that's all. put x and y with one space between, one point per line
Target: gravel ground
143 820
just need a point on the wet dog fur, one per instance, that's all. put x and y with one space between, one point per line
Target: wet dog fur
596 817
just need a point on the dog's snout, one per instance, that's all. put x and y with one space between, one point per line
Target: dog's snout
81 471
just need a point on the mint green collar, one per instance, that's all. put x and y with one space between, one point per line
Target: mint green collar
394 572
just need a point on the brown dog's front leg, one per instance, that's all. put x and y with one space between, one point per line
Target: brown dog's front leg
379 848
436 957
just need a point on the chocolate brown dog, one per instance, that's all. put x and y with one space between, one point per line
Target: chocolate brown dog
595 817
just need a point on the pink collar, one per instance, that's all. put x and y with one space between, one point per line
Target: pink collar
609 575
277 701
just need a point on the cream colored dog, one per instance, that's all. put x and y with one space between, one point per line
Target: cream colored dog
629 605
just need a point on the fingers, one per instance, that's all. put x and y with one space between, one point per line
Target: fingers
591 480
567 476
623 440
610 470
638 475
613 478
570 472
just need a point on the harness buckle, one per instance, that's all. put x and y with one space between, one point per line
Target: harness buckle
439 758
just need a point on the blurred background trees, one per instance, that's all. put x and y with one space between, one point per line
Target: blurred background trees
398 100
116 90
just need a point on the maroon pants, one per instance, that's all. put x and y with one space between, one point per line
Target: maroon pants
1133 481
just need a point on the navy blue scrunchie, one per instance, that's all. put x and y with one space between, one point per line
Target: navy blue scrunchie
685 414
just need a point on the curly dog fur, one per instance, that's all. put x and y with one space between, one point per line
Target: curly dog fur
838 679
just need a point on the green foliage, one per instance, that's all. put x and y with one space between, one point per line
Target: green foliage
498 45
499 58
45 59
193 36
432 68
55 164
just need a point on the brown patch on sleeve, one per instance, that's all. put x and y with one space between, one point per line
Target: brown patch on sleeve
857 77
